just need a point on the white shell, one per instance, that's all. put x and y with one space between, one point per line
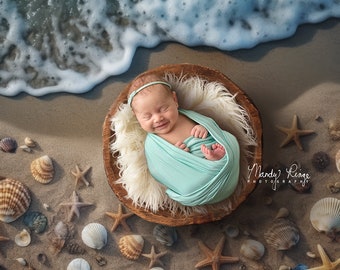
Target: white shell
78 264
22 261
325 215
252 249
337 160
23 238
94 235
42 169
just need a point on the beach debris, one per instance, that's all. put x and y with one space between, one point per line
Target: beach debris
282 213
154 257
327 264
131 246
214 257
282 234
325 215
94 235
22 261
15 199
36 221
74 205
166 235
42 169
120 218
252 249
29 142
337 160
80 176
46 206
231 231
8 145
25 148
320 161
101 261
311 254
23 238
78 264
334 128
294 133
74 248
334 187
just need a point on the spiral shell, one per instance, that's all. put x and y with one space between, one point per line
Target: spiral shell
325 215
94 235
8 145
283 234
42 169
165 235
131 246
23 238
36 221
78 264
15 199
252 249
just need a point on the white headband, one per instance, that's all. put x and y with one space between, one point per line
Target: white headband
135 92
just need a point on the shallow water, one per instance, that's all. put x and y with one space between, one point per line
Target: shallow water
69 46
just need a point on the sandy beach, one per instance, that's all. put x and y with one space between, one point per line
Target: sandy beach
296 76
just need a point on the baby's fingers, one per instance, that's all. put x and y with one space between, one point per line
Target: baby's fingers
182 146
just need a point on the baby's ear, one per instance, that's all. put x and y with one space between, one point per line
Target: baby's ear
174 95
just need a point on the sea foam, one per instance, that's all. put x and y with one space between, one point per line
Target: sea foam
49 46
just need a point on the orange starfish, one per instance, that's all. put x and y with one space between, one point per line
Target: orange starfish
120 218
154 257
80 175
214 257
294 133
326 262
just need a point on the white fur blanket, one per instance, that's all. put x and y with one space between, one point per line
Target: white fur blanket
208 98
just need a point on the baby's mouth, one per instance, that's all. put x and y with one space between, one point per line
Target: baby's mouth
161 126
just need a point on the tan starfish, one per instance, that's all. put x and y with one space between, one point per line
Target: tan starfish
294 133
74 205
119 218
326 262
214 257
80 175
154 257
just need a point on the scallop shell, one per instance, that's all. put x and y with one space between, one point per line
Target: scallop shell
8 145
131 246
252 249
283 234
36 221
337 160
94 235
165 235
14 199
78 264
325 215
23 238
42 169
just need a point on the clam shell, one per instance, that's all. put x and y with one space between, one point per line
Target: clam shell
131 246
36 221
252 249
337 160
165 235
78 264
23 238
94 235
282 235
14 199
325 215
8 145
42 169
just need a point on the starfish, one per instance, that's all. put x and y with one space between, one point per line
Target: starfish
326 262
119 218
294 133
74 205
80 175
214 257
154 257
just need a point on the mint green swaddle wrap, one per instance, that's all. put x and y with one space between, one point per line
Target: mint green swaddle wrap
189 177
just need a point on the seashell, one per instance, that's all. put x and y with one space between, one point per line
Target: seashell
22 261
74 248
252 249
282 213
61 230
36 221
78 264
8 145
334 129
94 235
337 160
165 235
283 234
42 169
325 215
320 161
42 258
311 254
15 199
334 187
232 231
29 142
46 206
101 261
131 246
23 238
25 148
57 245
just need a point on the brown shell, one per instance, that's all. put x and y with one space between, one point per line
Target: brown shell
42 169
15 199
131 246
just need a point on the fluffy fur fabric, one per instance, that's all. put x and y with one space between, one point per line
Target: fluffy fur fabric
208 98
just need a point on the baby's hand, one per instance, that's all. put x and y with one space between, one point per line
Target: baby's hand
182 146
199 131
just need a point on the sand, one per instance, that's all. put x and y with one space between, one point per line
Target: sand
299 75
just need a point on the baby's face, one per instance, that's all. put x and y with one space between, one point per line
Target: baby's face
156 109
